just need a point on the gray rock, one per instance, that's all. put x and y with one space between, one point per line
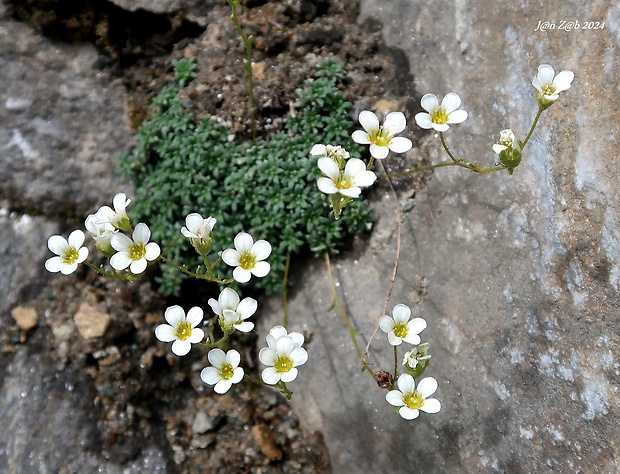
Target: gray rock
517 276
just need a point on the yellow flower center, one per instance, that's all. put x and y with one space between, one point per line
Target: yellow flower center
413 400
283 364
380 137
71 256
344 181
439 116
247 261
548 89
227 371
183 330
137 251
400 330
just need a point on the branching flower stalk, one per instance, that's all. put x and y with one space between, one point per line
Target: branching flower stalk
247 42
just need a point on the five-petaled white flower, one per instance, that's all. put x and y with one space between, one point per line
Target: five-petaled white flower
181 329
416 356
410 400
439 116
549 85
199 229
134 253
101 232
347 182
399 328
506 140
247 257
233 312
118 216
282 356
381 137
225 371
69 252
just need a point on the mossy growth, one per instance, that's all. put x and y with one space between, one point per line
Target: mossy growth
269 189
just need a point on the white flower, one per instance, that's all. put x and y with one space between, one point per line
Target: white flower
410 400
180 329
399 328
199 229
117 217
225 371
101 232
549 85
247 257
345 182
439 116
134 253
69 252
381 137
506 140
282 356
416 356
337 153
233 313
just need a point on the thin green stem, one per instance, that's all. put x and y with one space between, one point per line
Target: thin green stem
285 291
200 276
469 166
343 313
527 139
114 274
254 380
247 41
445 147
395 363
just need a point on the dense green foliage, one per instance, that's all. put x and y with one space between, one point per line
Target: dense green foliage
269 190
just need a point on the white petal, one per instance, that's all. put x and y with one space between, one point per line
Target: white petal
210 375
188 234
270 376
400 144
243 242
427 386
120 260
284 345
120 202
368 120
441 127
67 269
395 398
261 249
231 257
408 414
152 251
458 116
233 358
413 339
430 103
260 269
536 83
237 375
174 315
563 80
181 348
194 222
406 383
423 120
197 336
215 306
228 299
120 242
244 327
361 137
217 358
401 313
365 178
354 167
431 405
328 167
545 74
165 333
141 233
242 275
299 356
326 186
194 316
76 239
386 323
290 375
82 255
352 192
318 150
222 386
416 325
395 122
451 102
267 356
230 317
138 266
278 331
247 308
497 148
297 337
379 152
54 264
57 244
394 340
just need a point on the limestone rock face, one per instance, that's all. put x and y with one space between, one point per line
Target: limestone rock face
517 276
